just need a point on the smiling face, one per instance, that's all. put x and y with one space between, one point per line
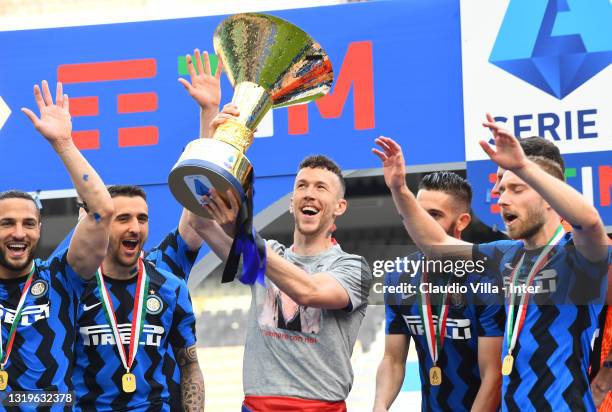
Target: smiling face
129 230
19 234
317 201
522 208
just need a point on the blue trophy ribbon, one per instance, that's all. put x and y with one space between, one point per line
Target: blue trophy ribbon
248 244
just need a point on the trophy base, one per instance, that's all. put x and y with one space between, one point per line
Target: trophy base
207 164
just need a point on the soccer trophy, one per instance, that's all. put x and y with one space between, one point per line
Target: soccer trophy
270 63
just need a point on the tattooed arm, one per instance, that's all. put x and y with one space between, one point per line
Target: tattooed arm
192 381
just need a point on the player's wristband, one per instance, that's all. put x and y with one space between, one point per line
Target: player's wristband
607 364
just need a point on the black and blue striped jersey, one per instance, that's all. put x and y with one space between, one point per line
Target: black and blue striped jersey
551 356
42 358
169 323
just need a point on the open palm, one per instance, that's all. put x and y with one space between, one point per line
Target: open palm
205 88
508 152
55 122
394 167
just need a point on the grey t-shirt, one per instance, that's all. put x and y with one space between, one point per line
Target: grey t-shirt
305 352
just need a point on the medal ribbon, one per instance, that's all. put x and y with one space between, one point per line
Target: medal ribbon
142 283
513 328
16 320
434 335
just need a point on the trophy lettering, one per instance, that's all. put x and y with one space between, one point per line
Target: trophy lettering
271 63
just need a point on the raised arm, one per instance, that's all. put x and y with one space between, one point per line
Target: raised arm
426 233
589 233
205 88
90 239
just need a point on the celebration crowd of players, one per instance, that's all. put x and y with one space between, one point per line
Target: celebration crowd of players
113 325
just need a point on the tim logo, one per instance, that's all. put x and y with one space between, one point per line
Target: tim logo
455 328
109 71
103 335
555 45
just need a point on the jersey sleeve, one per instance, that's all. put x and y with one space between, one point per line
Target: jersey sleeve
394 322
353 273
491 320
590 283
182 332
173 255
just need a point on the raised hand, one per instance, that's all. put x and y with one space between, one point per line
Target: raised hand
508 152
54 123
393 162
204 87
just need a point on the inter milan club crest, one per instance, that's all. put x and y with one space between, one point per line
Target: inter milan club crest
39 288
154 305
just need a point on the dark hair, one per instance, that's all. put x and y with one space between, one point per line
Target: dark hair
549 166
18 194
323 162
538 146
127 191
450 183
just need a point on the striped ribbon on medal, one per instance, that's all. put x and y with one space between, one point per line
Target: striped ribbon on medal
434 333
137 314
513 328
11 336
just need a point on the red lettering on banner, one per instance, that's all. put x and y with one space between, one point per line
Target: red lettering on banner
138 136
84 106
86 139
605 184
126 103
107 71
356 71
137 102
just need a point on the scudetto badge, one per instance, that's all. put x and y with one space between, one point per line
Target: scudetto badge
154 305
39 288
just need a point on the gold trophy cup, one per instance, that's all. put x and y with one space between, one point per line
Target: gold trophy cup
270 63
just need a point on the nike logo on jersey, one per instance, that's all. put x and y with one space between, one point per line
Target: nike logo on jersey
103 335
86 308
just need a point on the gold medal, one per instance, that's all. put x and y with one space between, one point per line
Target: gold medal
507 365
128 382
435 376
3 380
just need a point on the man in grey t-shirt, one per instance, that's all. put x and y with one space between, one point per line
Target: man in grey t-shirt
304 323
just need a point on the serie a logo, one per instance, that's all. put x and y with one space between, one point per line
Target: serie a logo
555 45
